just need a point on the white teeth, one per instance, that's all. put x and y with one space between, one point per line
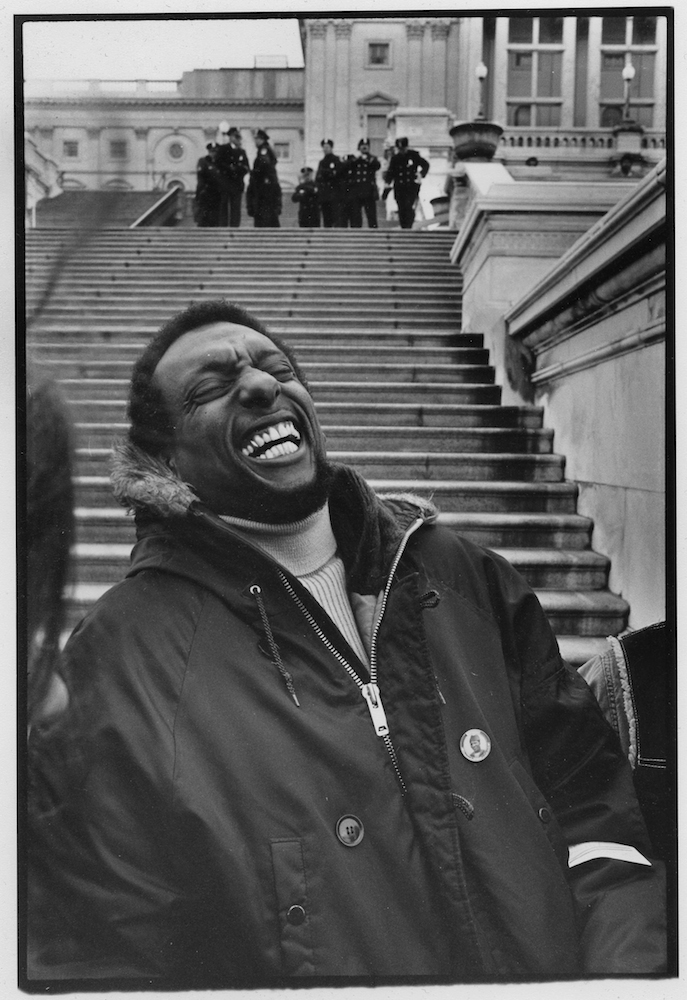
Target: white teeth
274 433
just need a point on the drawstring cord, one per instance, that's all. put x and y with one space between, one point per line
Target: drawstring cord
256 591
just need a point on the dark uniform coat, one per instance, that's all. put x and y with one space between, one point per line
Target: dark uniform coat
264 197
327 180
232 166
403 173
237 811
306 196
208 195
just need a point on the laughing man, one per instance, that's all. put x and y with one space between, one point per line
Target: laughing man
313 733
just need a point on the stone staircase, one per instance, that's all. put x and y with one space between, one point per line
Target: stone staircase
404 395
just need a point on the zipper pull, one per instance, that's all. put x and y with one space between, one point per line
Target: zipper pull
373 698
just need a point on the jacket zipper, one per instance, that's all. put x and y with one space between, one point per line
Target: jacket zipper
370 691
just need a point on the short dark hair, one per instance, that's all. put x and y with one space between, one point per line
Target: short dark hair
151 427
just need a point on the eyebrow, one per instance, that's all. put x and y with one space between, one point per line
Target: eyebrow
219 366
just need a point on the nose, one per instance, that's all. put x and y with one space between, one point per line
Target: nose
258 389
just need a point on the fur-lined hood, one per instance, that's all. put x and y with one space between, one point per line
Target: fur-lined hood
368 526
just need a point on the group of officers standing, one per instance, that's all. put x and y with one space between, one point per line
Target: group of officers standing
336 195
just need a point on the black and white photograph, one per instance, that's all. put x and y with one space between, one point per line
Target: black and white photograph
347 561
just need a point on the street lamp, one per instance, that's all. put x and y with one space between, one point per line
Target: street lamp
481 74
628 77
477 139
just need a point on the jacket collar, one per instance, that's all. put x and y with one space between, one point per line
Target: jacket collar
368 526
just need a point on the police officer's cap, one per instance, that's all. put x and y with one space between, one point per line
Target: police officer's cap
262 135
235 132
327 142
363 142
401 143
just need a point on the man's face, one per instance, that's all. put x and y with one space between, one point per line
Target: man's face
246 435
327 148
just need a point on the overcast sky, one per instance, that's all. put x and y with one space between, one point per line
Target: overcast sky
151 49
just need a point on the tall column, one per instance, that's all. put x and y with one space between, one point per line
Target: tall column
315 125
594 72
453 62
568 71
342 97
439 31
94 157
660 86
415 31
500 74
141 161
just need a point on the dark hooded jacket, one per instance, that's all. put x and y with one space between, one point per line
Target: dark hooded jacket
202 801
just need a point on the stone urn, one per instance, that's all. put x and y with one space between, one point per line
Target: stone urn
475 140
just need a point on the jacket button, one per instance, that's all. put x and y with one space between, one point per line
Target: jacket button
295 915
350 831
544 814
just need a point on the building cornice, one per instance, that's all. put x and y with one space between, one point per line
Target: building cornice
164 102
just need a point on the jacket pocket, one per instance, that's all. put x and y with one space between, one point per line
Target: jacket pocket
288 866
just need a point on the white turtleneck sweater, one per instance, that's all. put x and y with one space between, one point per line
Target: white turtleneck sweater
307 549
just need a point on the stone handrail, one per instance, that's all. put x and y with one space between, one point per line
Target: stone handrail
162 213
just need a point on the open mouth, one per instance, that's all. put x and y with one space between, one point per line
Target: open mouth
274 441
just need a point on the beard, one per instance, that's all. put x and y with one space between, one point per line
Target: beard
268 506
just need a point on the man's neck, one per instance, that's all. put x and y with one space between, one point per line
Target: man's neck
302 546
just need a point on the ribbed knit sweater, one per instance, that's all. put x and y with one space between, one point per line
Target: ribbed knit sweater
307 549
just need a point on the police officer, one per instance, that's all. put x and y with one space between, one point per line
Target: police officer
232 166
263 198
406 169
306 198
350 211
365 172
327 181
208 196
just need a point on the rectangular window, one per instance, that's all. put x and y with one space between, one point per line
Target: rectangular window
643 30
520 29
548 115
70 148
282 150
643 83
550 30
613 30
549 74
612 64
118 149
519 114
378 54
519 74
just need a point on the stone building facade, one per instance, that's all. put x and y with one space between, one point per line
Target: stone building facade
554 83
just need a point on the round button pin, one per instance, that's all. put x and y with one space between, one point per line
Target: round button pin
350 831
475 745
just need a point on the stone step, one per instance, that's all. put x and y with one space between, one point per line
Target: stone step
81 363
263 283
394 416
417 465
96 337
367 392
570 613
279 323
112 524
325 374
543 569
94 459
307 312
474 495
